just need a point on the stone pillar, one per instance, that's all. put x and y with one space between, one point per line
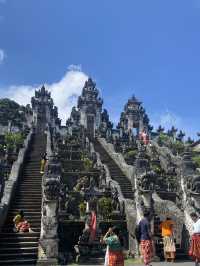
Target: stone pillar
48 243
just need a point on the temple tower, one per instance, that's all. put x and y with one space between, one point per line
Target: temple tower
90 107
134 116
44 111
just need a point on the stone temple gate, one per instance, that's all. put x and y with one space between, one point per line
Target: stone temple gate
94 173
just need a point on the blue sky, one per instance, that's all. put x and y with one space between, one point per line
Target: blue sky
141 47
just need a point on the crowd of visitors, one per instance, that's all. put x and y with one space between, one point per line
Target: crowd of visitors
114 252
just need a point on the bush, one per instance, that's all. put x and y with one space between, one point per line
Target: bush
156 168
178 147
87 163
105 207
196 160
13 140
163 139
82 208
130 154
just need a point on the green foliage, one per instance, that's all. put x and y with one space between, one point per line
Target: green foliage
156 168
164 139
130 154
13 140
11 111
105 207
82 208
178 147
87 163
196 160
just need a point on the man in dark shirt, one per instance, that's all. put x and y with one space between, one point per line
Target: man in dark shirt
146 246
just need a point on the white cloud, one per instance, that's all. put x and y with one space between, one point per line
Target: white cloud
166 119
63 92
2 56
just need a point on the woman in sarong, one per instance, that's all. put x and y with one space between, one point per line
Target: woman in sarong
146 244
194 250
168 239
115 249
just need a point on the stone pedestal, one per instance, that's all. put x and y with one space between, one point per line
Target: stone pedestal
48 252
48 243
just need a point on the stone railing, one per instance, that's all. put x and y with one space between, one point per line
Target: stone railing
128 170
48 243
131 208
165 208
10 184
109 181
183 217
49 143
165 153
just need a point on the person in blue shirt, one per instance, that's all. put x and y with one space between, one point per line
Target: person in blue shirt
146 246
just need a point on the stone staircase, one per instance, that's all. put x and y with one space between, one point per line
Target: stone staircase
22 248
115 172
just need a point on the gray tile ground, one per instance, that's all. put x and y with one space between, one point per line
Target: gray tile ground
157 264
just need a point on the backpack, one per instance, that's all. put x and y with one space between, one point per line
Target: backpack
137 233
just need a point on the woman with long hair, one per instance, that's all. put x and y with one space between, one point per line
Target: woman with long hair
115 249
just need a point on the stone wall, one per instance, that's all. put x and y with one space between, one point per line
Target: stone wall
133 214
166 208
11 183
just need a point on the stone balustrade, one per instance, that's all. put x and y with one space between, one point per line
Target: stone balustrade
11 183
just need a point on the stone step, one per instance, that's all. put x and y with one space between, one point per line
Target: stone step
19 240
18 244
32 172
16 250
28 199
34 183
32 213
27 208
19 255
25 192
34 193
33 219
19 235
9 229
11 262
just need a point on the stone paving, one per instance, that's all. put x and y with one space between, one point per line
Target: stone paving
179 263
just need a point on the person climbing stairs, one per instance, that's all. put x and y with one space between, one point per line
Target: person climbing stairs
22 248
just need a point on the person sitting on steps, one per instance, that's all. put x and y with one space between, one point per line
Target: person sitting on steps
21 224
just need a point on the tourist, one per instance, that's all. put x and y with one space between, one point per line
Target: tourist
21 225
194 250
143 137
115 247
146 245
43 163
168 239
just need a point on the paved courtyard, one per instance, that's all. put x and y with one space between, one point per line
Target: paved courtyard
180 263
